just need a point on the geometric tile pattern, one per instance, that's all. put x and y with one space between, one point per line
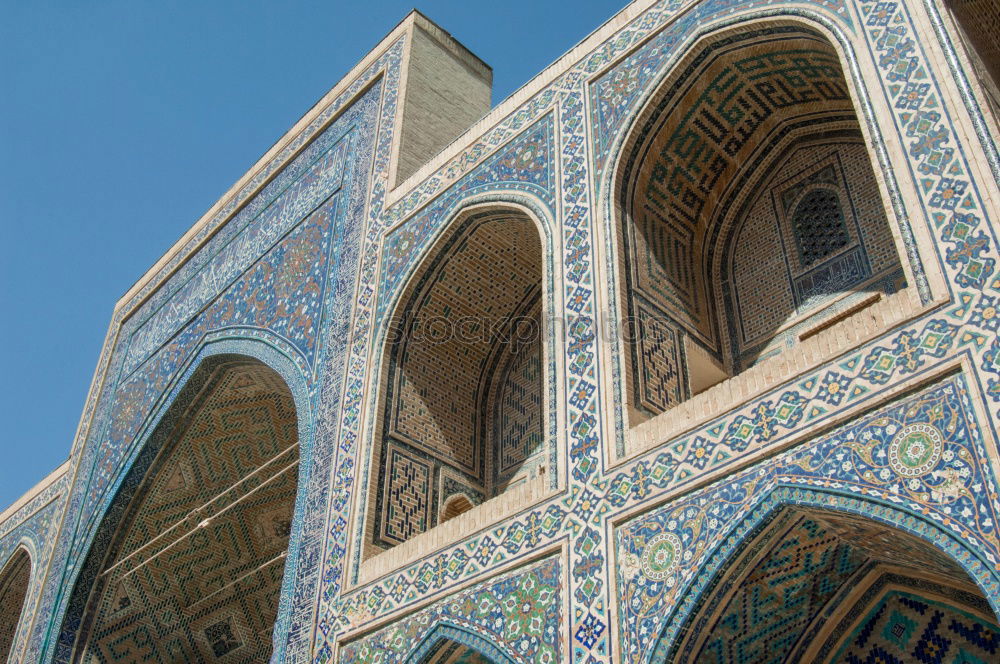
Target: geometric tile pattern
776 294
14 579
905 627
662 377
780 596
454 402
791 584
407 499
714 117
517 403
31 530
922 454
638 479
703 178
555 153
266 223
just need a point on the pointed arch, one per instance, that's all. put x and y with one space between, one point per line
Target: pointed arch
713 278
859 528
465 391
118 549
445 641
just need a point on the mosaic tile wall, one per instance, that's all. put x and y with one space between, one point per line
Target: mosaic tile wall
807 579
713 172
285 240
714 116
907 627
518 614
804 569
31 529
306 272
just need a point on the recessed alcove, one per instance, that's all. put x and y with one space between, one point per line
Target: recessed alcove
749 214
461 404
190 560
14 580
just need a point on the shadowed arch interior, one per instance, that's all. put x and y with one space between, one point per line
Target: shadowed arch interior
461 410
193 569
822 586
14 580
749 212
979 25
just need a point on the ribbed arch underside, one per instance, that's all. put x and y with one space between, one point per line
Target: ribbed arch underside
716 273
194 572
14 580
828 587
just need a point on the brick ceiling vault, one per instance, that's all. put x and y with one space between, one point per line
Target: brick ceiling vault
815 578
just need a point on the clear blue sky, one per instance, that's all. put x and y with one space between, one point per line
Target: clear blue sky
121 122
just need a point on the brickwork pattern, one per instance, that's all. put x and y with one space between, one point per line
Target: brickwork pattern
727 117
774 285
906 627
465 363
724 104
517 401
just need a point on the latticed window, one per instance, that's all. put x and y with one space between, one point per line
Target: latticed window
819 225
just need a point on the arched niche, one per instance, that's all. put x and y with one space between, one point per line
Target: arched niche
449 644
817 585
748 212
15 577
978 24
461 401
189 558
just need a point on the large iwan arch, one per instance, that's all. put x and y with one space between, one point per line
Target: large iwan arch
189 562
810 584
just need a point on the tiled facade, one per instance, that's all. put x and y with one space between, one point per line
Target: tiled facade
760 241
